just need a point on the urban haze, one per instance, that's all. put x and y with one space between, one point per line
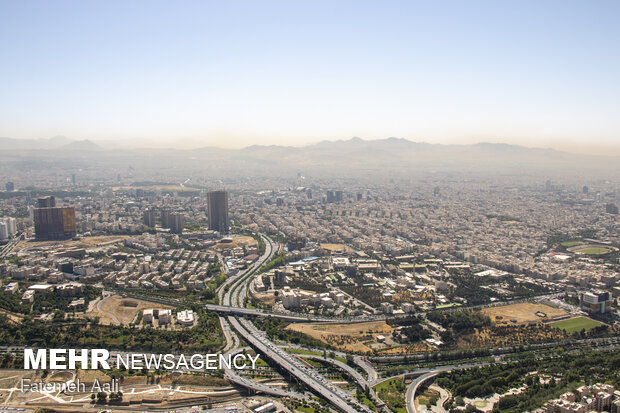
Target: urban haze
399 207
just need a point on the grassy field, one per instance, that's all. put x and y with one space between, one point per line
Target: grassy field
569 244
303 409
593 251
313 353
387 384
302 351
576 324
392 392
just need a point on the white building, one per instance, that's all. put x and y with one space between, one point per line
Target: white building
185 318
327 302
10 288
4 231
28 296
11 224
597 302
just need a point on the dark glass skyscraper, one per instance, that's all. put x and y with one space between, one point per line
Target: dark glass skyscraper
218 211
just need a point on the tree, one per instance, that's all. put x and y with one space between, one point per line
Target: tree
102 397
350 360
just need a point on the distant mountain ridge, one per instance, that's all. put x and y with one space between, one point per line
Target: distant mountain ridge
398 152
329 157
56 142
84 145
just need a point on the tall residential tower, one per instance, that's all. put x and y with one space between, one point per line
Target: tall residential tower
218 211
52 222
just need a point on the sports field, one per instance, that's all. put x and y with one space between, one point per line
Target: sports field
592 249
573 325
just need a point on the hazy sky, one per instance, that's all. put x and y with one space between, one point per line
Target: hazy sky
233 73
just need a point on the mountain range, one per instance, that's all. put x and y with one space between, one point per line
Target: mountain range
55 143
341 156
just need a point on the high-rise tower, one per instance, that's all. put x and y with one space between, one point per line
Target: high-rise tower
218 211
52 222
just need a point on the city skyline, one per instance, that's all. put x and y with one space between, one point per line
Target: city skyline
534 74
319 206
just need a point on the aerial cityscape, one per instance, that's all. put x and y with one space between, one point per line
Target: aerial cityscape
235 208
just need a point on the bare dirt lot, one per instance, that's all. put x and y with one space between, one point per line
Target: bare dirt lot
237 241
352 337
522 313
12 378
337 247
118 310
89 376
86 242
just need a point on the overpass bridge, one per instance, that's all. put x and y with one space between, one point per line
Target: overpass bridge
232 310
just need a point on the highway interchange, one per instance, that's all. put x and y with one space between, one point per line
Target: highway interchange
232 294
237 329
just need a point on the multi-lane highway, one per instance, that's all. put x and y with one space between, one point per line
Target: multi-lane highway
6 249
225 294
353 373
257 339
232 294
413 388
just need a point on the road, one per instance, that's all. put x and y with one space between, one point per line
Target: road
413 388
6 249
232 293
335 396
427 374
444 395
237 308
225 294
225 291
112 316
373 376
359 379
234 310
